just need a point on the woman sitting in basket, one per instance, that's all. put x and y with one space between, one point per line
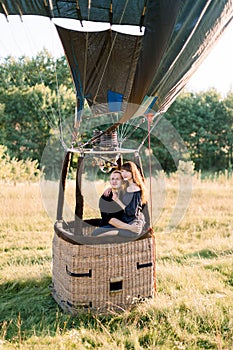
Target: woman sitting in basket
121 209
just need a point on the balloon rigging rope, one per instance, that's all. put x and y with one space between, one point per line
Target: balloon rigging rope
149 119
58 113
157 120
167 74
129 129
31 42
86 49
59 109
109 54
24 25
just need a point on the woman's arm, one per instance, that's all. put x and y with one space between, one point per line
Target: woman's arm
122 225
117 200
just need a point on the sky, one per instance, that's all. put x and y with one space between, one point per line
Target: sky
31 35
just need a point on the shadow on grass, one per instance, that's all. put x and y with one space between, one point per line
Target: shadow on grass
202 254
27 308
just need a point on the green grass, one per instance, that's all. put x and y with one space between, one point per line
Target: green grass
193 307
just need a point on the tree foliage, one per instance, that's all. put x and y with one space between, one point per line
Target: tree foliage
42 69
204 120
33 100
37 94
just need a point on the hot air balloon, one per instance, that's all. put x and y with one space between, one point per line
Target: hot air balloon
128 60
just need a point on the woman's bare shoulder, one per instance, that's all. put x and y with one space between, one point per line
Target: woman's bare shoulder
133 188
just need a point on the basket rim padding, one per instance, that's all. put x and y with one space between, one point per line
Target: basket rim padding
69 236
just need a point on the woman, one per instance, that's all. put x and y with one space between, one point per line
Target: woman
128 219
110 209
132 201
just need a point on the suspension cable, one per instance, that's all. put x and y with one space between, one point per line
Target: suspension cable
31 45
151 129
86 48
50 121
149 120
109 55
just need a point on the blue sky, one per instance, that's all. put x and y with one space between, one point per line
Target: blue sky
35 33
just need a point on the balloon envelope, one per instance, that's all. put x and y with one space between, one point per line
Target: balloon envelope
112 65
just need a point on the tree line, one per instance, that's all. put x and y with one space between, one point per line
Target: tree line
204 120
36 94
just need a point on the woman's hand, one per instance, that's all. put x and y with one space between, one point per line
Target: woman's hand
115 195
107 192
117 200
136 227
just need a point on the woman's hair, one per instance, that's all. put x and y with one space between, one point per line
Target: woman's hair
137 177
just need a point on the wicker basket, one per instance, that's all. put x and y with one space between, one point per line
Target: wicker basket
102 277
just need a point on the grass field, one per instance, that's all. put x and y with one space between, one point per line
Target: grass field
193 307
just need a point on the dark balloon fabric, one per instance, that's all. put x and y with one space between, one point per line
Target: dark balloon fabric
109 66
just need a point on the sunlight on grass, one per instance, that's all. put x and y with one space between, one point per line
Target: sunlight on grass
193 307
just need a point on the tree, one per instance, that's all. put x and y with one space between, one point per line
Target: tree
228 131
203 120
29 116
42 69
36 95
37 98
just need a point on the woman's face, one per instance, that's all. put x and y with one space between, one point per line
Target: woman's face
127 175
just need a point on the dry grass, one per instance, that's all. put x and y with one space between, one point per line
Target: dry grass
193 308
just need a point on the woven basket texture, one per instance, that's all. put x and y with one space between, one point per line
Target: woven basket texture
102 277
